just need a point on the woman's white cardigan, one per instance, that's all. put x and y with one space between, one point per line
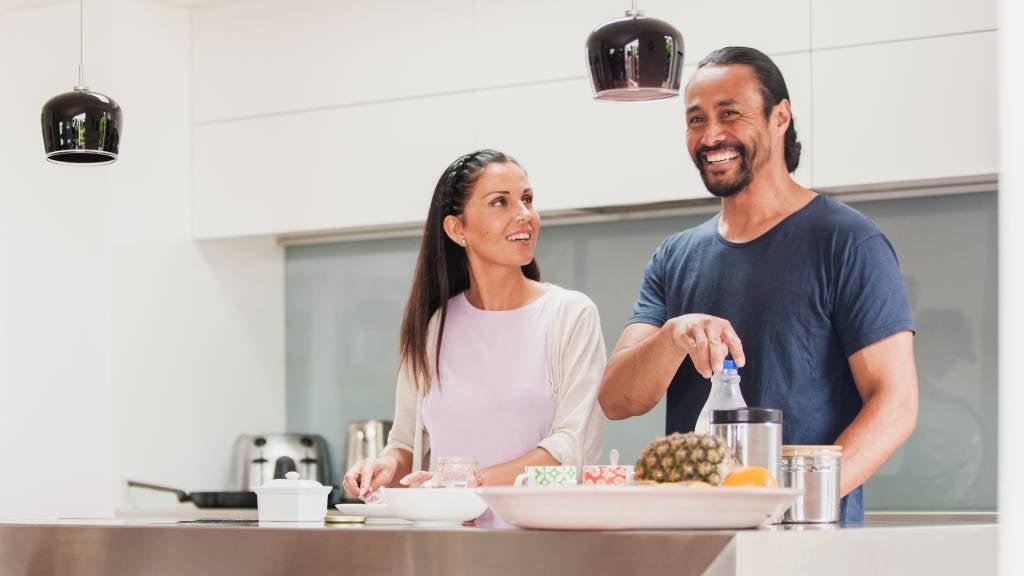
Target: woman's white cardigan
576 359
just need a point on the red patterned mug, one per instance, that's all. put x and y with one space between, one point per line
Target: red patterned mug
613 474
607 475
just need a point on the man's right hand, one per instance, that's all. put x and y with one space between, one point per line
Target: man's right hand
367 475
707 340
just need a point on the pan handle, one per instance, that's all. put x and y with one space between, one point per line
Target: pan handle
182 495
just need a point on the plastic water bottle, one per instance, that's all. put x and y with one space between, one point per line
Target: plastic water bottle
725 394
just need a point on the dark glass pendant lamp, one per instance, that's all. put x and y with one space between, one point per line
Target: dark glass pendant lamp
635 58
81 126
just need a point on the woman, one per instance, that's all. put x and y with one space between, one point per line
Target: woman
495 365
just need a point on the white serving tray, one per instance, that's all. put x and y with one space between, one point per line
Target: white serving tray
638 506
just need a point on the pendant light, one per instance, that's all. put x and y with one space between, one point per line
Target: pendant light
81 126
635 58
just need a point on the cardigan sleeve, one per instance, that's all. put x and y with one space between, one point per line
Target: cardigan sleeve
577 433
403 427
407 430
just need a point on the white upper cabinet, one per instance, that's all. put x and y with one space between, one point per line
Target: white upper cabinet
277 56
844 23
909 110
773 27
581 153
529 41
320 115
366 165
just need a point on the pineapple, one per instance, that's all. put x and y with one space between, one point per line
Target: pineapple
684 458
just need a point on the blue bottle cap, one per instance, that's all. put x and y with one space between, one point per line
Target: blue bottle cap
729 365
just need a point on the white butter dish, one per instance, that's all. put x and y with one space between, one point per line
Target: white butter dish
291 499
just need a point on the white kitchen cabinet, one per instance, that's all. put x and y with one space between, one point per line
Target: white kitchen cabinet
292 135
532 41
836 23
580 152
776 27
909 110
340 168
278 56
375 165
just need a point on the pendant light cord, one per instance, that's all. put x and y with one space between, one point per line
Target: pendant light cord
81 43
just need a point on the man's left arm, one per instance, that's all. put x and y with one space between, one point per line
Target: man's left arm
886 378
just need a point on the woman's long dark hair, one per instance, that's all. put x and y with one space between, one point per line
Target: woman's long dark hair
442 269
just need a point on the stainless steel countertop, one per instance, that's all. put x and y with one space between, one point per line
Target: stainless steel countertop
159 546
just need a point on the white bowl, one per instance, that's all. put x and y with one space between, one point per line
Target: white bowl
435 505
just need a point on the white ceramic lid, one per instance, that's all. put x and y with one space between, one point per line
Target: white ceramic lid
292 484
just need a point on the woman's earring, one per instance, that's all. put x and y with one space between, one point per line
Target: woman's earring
463 242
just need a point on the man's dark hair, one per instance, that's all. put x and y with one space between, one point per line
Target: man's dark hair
773 88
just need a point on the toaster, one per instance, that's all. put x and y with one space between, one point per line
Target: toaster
264 457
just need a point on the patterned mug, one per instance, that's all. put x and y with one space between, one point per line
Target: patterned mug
613 474
547 476
605 475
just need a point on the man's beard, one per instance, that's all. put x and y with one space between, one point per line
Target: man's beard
726 188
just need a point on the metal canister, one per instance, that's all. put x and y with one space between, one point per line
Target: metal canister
754 434
365 439
816 470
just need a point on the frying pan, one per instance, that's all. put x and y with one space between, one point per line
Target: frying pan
236 499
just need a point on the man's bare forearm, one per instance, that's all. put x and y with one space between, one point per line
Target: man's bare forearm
636 377
886 379
884 423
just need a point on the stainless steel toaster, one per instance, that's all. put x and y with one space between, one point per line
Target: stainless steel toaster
263 457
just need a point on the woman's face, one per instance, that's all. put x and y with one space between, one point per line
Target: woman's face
498 224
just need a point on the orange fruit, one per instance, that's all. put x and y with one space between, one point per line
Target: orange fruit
753 476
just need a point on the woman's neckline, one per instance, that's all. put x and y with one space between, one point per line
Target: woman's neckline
529 304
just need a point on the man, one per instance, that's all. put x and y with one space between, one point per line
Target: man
811 286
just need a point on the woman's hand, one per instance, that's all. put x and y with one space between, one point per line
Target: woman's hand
421 478
367 475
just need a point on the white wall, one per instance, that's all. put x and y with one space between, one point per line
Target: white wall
55 291
341 115
127 350
1011 272
197 330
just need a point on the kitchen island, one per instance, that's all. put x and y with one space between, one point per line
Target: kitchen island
235 543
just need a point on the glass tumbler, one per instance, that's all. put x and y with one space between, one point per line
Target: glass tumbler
454 472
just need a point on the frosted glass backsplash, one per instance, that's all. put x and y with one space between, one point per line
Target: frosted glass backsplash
344 306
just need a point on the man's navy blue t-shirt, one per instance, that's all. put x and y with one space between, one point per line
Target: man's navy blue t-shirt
804 296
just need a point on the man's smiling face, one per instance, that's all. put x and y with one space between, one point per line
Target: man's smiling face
726 127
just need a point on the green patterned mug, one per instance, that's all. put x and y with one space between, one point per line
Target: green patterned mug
547 476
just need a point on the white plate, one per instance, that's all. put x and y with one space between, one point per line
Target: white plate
450 506
637 507
367 510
